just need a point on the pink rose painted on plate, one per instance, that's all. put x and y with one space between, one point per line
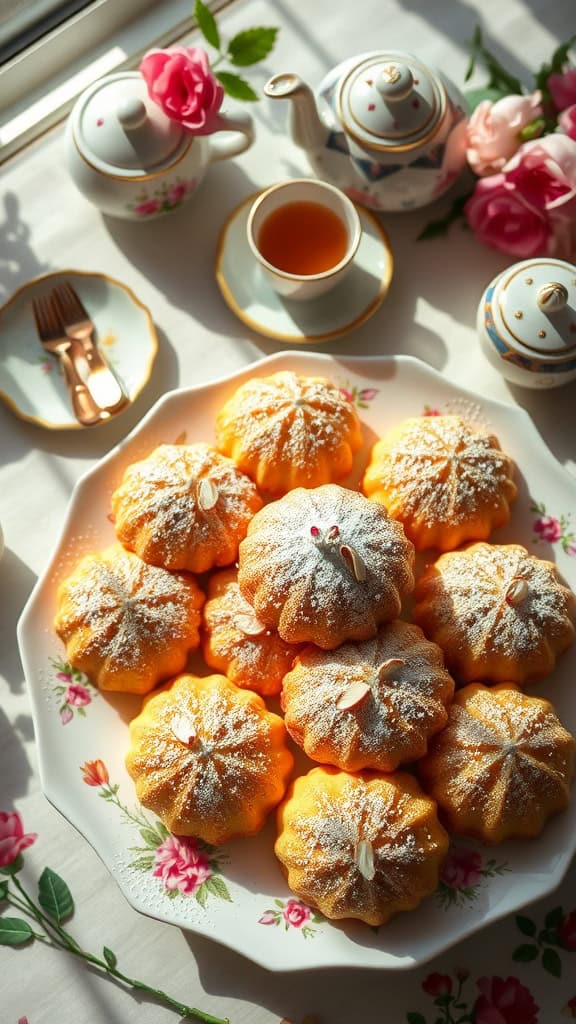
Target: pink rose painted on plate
72 689
463 874
293 914
554 529
180 865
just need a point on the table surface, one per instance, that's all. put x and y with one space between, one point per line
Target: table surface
46 225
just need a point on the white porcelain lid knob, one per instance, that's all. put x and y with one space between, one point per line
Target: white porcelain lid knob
394 82
552 297
131 112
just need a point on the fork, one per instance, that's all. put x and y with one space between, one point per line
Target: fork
101 382
53 339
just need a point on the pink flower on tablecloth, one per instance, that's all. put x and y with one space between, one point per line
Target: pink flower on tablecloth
66 714
179 80
567 931
181 865
462 868
437 984
296 913
567 121
504 1001
548 528
563 88
268 917
95 773
544 171
569 1010
77 695
147 207
13 839
502 218
493 131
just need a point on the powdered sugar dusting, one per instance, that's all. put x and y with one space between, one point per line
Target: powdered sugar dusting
184 507
297 579
399 710
463 605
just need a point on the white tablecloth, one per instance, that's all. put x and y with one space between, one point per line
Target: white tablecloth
429 313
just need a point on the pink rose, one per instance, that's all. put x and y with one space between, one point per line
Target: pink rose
504 1002
548 528
462 868
493 131
12 837
179 80
66 714
147 207
296 913
563 88
437 984
64 677
567 931
567 121
181 865
77 695
502 218
544 171
268 917
178 190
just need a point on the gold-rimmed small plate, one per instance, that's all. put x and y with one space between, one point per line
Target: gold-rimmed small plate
251 298
31 383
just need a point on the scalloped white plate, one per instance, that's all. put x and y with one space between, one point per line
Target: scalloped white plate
237 894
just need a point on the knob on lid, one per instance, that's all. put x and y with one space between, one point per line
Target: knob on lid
118 127
391 100
536 306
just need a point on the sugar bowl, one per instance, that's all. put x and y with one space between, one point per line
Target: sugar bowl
527 323
132 161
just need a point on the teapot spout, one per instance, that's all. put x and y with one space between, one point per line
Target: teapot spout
306 128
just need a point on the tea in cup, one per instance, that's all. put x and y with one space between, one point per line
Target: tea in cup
304 235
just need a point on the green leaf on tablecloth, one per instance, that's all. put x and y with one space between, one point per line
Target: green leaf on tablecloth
54 896
236 87
110 957
554 917
549 935
3 890
526 925
251 46
14 931
525 953
207 24
552 963
415 1018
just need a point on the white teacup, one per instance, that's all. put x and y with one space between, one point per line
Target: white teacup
310 239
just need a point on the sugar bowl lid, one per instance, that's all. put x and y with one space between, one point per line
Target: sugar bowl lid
392 101
120 130
534 307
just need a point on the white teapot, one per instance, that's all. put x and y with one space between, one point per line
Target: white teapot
132 161
527 323
385 128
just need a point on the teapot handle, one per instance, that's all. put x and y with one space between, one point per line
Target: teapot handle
243 125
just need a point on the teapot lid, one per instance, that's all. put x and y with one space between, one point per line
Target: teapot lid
391 101
534 305
120 130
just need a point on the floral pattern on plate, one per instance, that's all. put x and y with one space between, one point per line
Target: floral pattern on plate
292 914
186 865
72 689
462 875
554 530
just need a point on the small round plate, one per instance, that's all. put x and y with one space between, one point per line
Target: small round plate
30 379
258 306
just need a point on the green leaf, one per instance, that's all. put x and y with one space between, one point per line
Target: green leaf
552 963
525 953
532 130
160 827
143 863
207 24
236 87
526 925
3 890
415 1018
554 917
436 228
549 935
110 957
251 46
552 67
151 838
499 77
14 867
202 895
14 931
54 896
218 886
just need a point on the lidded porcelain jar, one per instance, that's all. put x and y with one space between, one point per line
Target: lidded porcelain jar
527 323
132 161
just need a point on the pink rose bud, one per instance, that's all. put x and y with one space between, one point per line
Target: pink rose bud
563 88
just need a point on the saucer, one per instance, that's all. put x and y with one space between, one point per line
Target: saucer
258 306
30 379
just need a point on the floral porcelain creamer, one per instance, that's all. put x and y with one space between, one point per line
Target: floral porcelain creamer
527 323
386 129
132 161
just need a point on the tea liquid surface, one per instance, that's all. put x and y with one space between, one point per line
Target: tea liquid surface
303 238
